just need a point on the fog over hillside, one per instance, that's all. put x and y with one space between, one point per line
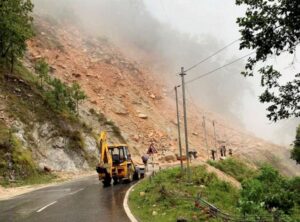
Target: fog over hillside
170 34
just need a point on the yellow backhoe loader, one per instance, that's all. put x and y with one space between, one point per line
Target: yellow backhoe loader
115 163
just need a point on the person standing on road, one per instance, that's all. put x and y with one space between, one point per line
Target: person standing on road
145 159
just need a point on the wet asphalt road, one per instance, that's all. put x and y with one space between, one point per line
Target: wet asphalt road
77 201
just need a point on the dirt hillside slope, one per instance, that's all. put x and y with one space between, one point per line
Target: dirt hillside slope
141 106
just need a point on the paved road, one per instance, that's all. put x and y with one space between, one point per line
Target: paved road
80 200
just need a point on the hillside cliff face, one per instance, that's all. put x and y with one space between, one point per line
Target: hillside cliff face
137 100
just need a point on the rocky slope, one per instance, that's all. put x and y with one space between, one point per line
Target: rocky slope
35 138
136 99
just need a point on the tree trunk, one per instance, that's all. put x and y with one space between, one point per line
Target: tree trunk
12 63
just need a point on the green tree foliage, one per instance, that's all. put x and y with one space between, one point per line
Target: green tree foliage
15 28
272 28
295 154
77 94
295 187
63 97
59 95
268 191
42 69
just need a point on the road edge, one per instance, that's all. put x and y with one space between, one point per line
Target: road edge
126 206
35 187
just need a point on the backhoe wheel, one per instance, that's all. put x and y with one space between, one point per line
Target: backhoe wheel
136 175
116 180
106 181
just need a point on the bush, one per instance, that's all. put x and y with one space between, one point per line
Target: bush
267 191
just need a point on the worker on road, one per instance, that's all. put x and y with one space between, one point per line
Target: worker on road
145 159
213 154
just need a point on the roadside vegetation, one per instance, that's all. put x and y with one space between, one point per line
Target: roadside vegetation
29 100
234 167
169 196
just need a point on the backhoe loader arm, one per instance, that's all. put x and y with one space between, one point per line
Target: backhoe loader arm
105 156
105 164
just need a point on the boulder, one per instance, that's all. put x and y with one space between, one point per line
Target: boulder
76 75
170 157
59 142
136 138
94 102
47 169
142 116
45 130
152 96
120 111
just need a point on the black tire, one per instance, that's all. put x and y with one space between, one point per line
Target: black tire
136 175
116 180
106 181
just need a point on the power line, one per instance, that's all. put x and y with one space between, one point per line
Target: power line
214 70
212 55
221 67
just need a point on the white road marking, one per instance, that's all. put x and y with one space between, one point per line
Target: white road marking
43 208
76 191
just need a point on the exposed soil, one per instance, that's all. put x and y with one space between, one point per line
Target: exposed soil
139 101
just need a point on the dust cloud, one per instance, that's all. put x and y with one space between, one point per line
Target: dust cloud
157 37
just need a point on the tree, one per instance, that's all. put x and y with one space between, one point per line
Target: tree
15 28
77 94
272 28
63 97
295 154
57 96
42 69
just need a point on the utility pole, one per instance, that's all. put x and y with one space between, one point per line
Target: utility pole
215 138
182 74
205 136
178 127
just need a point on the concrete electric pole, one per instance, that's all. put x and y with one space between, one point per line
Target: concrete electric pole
215 135
205 137
178 127
182 74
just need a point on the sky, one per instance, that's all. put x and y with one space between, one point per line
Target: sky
217 18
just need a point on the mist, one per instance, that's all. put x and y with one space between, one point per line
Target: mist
169 34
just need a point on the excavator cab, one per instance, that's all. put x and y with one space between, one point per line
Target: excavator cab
115 163
119 154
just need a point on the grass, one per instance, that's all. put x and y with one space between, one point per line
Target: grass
234 167
169 194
